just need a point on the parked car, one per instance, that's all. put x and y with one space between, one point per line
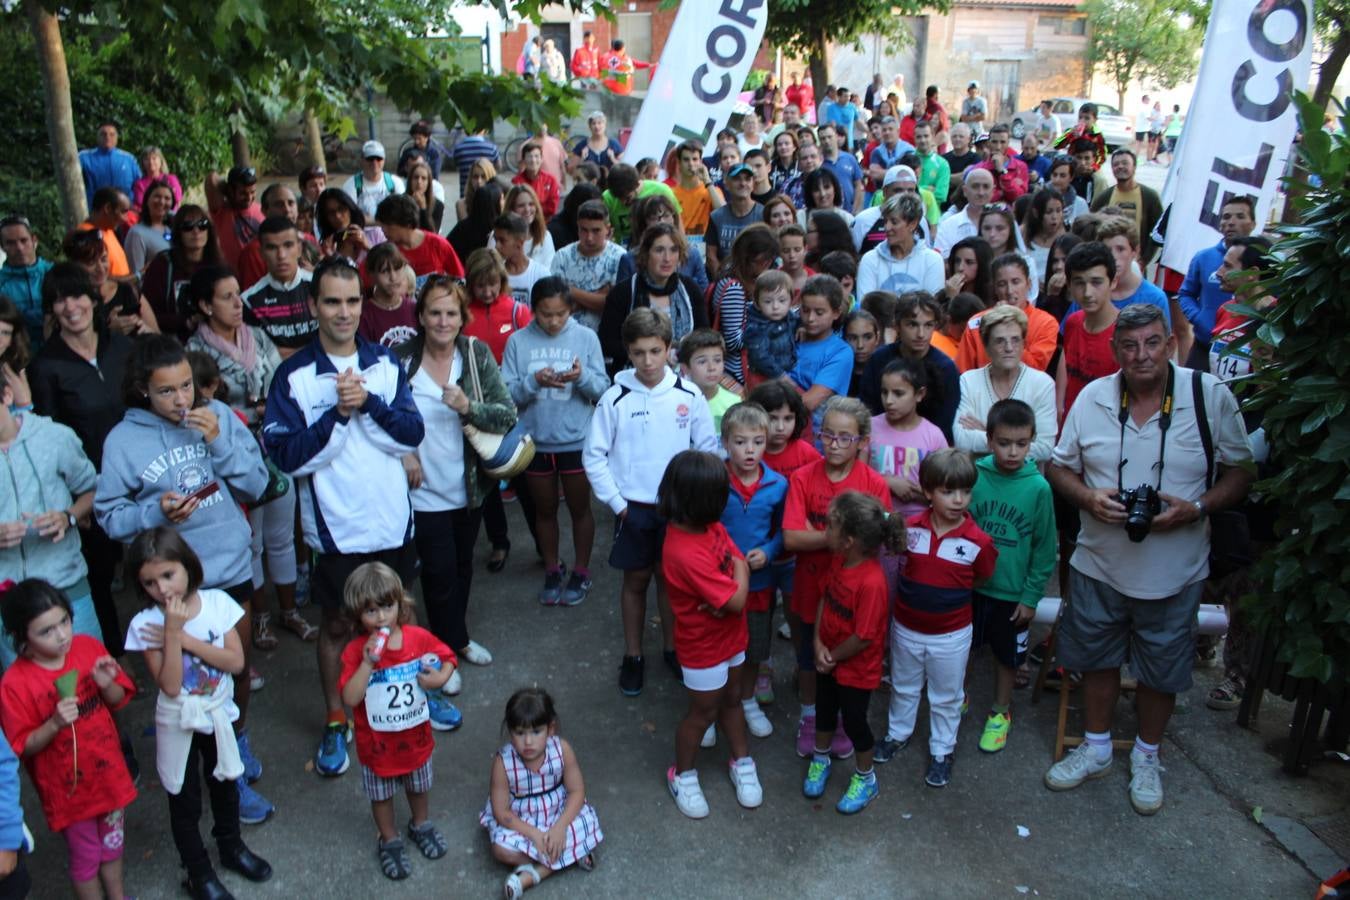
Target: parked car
1117 129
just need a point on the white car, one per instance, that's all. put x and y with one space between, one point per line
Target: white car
1117 129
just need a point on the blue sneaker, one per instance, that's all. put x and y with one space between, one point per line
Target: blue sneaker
578 587
886 749
253 807
331 760
444 715
939 771
252 767
862 790
817 773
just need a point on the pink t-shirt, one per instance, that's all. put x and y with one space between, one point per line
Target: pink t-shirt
898 453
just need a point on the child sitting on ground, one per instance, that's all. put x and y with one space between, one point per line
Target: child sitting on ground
537 810
386 675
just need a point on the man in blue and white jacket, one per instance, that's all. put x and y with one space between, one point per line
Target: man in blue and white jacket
340 417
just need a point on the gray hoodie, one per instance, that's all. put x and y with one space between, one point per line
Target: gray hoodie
557 418
44 469
146 456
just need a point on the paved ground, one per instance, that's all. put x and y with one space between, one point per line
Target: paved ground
914 841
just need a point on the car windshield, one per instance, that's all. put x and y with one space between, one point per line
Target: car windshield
1104 110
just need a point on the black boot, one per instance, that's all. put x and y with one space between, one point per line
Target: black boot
207 887
246 863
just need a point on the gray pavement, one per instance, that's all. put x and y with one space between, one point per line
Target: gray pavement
962 841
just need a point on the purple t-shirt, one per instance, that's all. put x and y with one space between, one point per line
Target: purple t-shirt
898 453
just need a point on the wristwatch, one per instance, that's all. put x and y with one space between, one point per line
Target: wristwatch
70 518
1199 507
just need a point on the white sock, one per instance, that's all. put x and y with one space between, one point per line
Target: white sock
749 705
808 709
1100 743
1142 747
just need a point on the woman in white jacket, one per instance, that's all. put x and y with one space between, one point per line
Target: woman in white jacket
902 263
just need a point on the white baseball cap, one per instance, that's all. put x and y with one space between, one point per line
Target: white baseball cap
899 173
372 150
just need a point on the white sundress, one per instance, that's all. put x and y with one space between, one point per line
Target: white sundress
539 798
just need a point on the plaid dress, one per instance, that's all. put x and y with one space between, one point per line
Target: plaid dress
539 798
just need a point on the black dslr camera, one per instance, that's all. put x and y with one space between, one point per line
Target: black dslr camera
1141 505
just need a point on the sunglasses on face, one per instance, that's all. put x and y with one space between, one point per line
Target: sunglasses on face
196 225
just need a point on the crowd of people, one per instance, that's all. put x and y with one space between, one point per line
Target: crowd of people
887 385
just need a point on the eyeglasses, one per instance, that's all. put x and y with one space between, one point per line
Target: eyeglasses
829 438
196 225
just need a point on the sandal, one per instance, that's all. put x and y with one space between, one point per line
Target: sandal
587 862
1228 695
263 638
497 562
296 624
513 889
430 841
394 861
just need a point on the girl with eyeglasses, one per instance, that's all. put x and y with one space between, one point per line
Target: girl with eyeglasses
192 245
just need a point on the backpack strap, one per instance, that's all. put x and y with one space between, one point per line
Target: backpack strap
1202 423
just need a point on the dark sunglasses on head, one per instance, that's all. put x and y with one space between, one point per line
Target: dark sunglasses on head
196 225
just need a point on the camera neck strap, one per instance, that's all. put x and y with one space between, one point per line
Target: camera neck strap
1164 422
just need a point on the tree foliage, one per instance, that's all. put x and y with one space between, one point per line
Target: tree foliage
1304 397
1152 40
806 28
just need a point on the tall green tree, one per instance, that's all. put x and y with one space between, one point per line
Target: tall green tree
1153 40
807 27
254 59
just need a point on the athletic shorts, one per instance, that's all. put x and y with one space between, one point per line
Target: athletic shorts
713 678
637 538
759 627
1140 135
989 618
329 574
1101 629
545 464
379 788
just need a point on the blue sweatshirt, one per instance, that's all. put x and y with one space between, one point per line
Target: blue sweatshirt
45 469
147 456
1201 295
758 524
23 285
557 418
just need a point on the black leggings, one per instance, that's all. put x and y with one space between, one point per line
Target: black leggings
833 698
445 545
494 512
102 554
185 808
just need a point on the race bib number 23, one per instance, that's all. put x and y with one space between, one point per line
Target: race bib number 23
394 699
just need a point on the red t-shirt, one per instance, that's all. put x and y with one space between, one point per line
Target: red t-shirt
494 324
388 327
435 256
545 188
940 573
234 230
698 569
1087 356
81 773
856 602
810 491
796 454
390 754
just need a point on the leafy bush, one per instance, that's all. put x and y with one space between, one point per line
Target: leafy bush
755 79
1304 393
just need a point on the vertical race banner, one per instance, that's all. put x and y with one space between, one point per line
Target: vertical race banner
1241 122
704 62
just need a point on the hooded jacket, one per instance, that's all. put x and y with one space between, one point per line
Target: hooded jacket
636 431
1016 510
880 270
43 470
147 456
557 418
23 285
758 524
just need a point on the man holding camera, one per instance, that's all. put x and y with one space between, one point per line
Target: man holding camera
1133 458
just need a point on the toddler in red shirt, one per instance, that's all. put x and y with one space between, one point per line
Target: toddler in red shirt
385 680
707 580
844 434
850 640
55 705
947 555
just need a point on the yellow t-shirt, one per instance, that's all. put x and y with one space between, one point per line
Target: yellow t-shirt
1130 202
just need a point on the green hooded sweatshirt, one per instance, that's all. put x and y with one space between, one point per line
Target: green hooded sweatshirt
1017 511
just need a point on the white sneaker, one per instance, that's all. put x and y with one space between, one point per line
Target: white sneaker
785 631
688 793
746 779
709 737
454 685
1071 771
1146 790
476 653
758 723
